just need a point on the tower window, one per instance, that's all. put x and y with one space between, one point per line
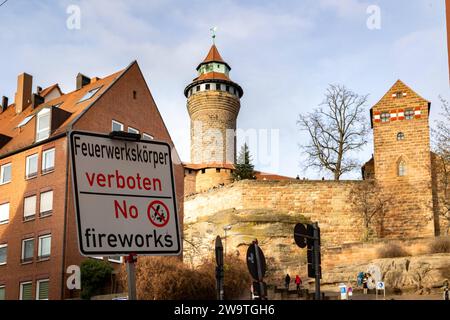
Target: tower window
203 170
400 136
218 170
228 88
385 116
217 86
197 88
409 114
402 168
207 86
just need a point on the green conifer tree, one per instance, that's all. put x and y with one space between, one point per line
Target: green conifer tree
244 167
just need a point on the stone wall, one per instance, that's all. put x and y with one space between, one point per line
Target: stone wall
196 181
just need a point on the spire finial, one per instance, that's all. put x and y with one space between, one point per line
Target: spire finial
213 34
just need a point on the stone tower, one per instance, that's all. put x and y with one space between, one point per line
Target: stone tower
213 105
402 161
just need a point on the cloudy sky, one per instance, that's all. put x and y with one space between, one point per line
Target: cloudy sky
283 53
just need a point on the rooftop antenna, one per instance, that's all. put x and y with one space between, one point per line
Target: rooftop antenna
213 34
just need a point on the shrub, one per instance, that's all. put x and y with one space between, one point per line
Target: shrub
440 245
167 278
94 276
392 250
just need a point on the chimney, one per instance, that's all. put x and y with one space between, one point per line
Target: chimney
36 100
23 94
4 104
82 81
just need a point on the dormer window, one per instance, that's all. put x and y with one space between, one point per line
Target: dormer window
89 94
43 124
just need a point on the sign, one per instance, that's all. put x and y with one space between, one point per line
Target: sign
255 255
380 285
343 291
124 194
300 233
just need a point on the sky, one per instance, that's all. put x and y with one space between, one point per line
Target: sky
284 54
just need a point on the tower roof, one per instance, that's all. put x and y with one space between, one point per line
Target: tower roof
213 56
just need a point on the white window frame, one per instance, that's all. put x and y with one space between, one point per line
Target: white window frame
4 288
44 155
29 175
40 238
46 212
42 113
116 122
2 173
38 284
4 245
147 136
29 216
9 208
21 289
22 257
88 95
111 259
133 130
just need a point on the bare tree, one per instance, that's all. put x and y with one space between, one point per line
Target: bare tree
370 202
336 128
441 147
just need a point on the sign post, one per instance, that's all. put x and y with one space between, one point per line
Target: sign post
256 264
219 268
131 273
124 196
309 236
380 286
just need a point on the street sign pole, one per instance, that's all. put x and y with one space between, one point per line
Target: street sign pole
260 272
219 268
131 272
317 259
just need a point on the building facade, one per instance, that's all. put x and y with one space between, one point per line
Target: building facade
38 239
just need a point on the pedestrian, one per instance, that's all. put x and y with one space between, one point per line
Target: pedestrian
364 282
350 292
287 281
298 282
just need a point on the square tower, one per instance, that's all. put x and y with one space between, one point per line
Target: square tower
402 161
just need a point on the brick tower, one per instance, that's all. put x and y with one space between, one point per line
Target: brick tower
402 161
213 105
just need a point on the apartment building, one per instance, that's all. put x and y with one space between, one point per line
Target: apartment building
38 239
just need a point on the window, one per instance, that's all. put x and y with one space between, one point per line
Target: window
207 86
402 168
115 259
25 291
134 94
46 207
117 126
25 121
2 293
31 166
217 170
146 136
197 88
203 170
89 94
217 86
43 124
409 114
48 160
3 254
27 250
399 95
385 116
42 289
29 208
4 213
133 130
400 136
44 247
5 173
227 88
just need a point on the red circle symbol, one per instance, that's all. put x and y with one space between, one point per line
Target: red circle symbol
158 213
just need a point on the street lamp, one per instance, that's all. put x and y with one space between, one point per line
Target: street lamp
226 228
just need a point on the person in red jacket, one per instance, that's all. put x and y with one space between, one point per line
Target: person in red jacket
298 282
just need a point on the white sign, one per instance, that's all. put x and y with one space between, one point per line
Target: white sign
380 285
124 196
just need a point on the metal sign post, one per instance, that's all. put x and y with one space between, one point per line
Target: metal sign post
219 269
131 272
317 259
256 263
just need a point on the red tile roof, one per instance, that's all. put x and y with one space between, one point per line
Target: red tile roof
25 136
213 56
213 75
46 91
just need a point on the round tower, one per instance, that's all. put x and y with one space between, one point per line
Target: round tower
213 103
